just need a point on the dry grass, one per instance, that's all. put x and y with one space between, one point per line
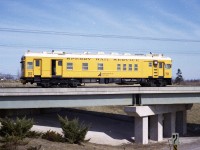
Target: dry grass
193 115
14 83
105 109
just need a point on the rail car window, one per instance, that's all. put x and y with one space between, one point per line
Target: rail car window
84 66
160 65
135 67
130 67
168 66
60 63
150 64
69 66
100 66
118 67
37 63
29 65
124 67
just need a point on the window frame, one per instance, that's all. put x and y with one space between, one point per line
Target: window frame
69 66
29 66
130 67
150 64
124 67
135 67
118 67
100 66
160 65
37 63
59 62
85 68
168 66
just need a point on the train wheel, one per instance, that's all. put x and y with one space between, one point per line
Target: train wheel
45 85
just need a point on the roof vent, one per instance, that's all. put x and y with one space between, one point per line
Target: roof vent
86 53
100 53
113 53
57 52
127 54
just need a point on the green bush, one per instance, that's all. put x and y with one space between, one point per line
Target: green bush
34 134
74 132
19 128
53 136
10 142
13 132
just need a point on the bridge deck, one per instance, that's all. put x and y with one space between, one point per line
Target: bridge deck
94 91
79 97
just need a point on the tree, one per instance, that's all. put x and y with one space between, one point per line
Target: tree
6 76
179 77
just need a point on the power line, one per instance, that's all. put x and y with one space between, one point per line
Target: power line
17 30
141 51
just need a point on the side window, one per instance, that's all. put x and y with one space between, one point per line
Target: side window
84 66
168 66
160 65
118 67
69 66
29 65
150 64
135 67
100 66
60 63
130 67
37 63
124 67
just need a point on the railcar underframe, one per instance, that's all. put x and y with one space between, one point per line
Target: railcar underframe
58 81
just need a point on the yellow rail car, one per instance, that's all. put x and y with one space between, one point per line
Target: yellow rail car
61 69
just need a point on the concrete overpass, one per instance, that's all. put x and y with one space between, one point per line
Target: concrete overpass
158 111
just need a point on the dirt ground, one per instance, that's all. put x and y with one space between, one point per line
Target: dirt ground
42 144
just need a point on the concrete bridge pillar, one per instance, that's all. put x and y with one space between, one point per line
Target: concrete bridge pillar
163 120
141 130
181 122
156 127
169 124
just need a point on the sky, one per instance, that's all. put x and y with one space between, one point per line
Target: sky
169 27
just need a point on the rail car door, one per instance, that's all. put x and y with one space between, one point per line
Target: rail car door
161 69
37 69
56 67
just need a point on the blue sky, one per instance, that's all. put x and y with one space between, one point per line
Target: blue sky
173 19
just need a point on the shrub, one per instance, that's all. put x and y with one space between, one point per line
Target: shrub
53 136
19 128
10 142
13 132
74 132
34 134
